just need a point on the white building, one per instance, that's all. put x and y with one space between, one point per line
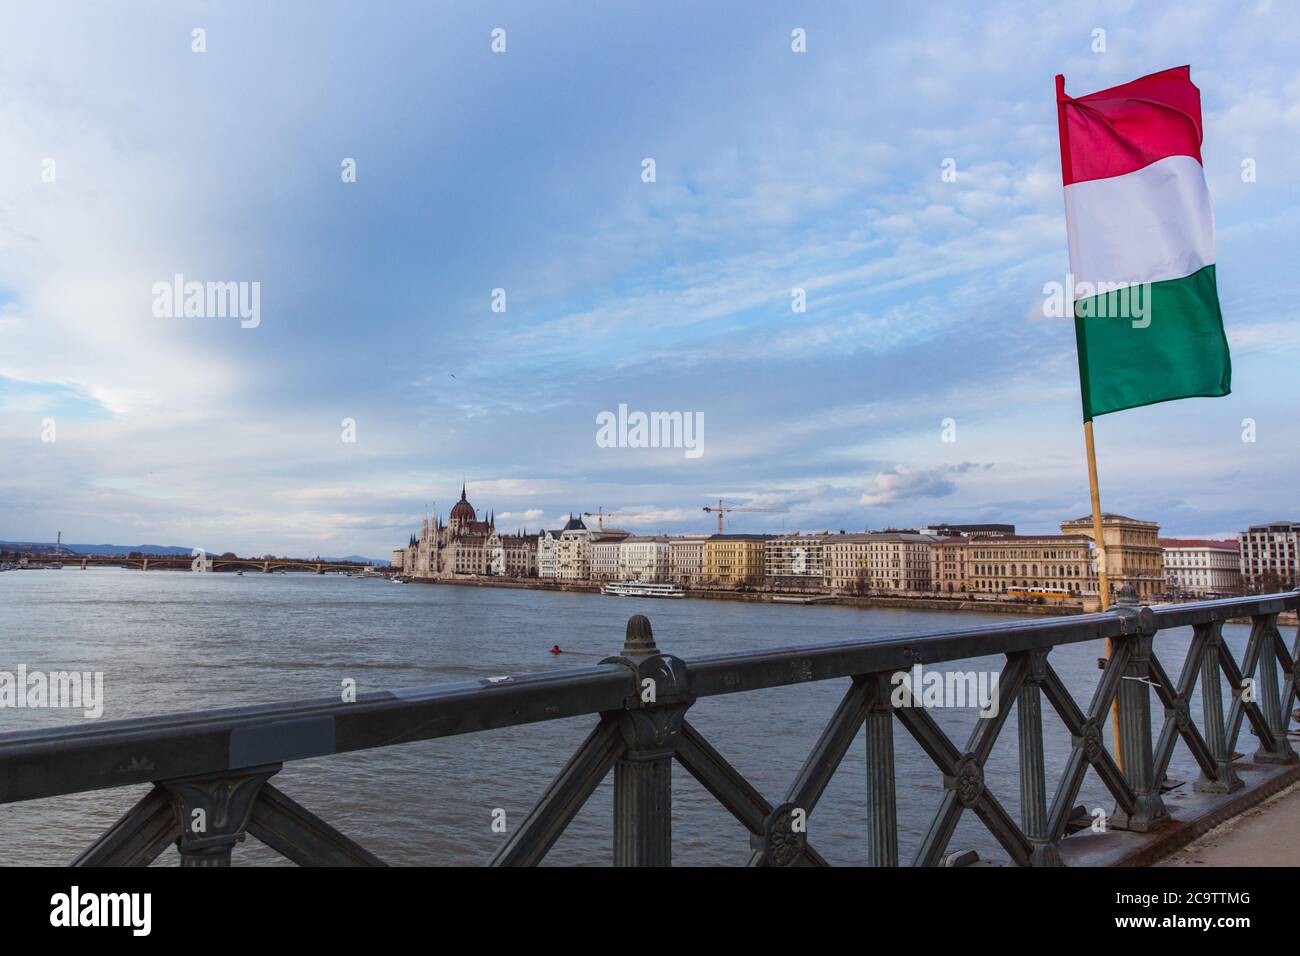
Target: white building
605 551
847 559
686 559
860 562
795 560
496 555
1201 567
604 555
1269 555
647 559
548 548
547 543
898 561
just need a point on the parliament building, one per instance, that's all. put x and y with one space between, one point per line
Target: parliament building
466 545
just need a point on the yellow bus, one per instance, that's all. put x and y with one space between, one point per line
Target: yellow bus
1051 594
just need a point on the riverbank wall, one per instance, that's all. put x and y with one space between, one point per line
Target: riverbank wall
935 603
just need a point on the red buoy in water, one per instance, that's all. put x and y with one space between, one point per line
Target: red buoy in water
555 649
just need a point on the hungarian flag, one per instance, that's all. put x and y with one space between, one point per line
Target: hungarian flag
1141 232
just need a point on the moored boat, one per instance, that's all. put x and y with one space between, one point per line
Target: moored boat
642 589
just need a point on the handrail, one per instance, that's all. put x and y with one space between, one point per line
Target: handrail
185 753
72 759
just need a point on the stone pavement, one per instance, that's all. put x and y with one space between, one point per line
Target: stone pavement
1266 835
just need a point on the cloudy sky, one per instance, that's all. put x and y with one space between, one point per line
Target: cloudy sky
523 171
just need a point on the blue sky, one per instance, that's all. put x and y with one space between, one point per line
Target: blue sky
522 171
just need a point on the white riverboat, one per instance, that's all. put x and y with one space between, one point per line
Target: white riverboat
642 589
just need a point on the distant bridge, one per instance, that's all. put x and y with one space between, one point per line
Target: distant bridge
180 562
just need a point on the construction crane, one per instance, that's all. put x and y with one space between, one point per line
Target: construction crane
721 510
600 514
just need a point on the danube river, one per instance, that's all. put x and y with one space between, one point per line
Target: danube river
173 641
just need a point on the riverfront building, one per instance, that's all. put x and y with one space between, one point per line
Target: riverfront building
949 568
645 559
734 560
899 561
573 552
969 559
1203 568
879 561
846 557
547 544
1059 562
795 561
1269 555
605 554
466 545
686 559
512 555
548 547
1133 553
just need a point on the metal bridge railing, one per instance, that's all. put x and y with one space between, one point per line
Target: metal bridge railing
215 766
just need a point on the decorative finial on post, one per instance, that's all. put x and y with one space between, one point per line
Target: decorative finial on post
640 640
1127 596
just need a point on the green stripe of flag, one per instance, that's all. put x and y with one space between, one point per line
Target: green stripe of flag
1155 345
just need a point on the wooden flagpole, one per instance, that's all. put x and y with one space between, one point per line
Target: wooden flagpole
1103 578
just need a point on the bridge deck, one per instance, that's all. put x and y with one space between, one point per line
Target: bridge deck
1267 835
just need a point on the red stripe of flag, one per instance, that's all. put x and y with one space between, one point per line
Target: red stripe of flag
1129 127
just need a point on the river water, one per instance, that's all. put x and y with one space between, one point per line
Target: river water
174 641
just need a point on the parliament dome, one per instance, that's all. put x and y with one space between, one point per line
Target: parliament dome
463 512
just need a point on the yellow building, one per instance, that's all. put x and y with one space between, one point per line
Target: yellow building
573 555
732 560
1133 552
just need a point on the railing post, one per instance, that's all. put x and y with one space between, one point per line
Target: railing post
1135 717
1225 779
882 810
213 811
650 725
1270 700
1033 774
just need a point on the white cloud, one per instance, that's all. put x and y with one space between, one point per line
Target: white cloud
532 514
904 483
